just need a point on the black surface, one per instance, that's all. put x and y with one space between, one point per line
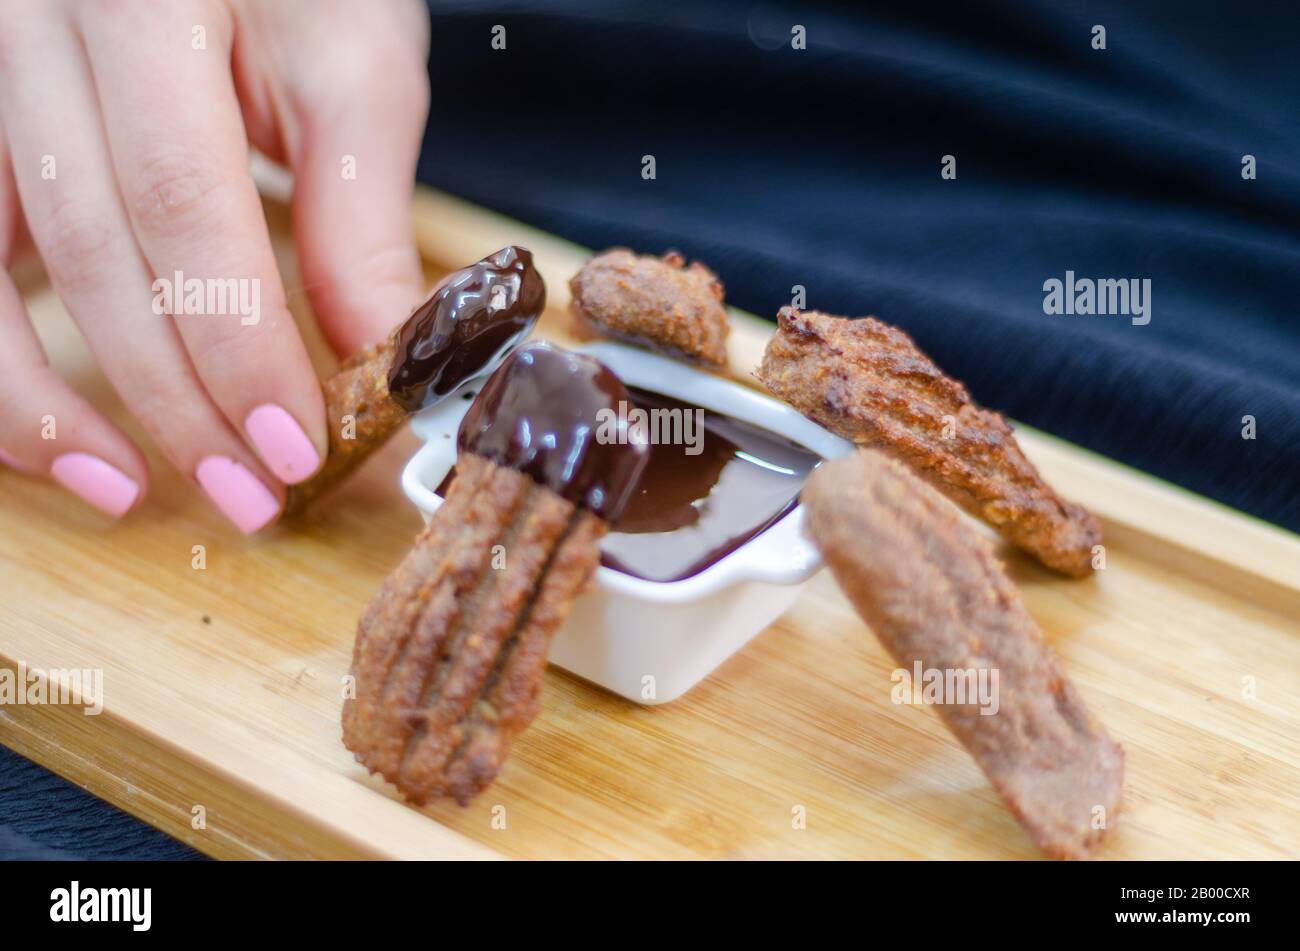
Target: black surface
821 168
43 816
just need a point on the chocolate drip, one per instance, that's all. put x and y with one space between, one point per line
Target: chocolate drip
466 327
556 416
702 497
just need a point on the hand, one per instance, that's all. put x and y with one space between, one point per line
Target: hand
124 132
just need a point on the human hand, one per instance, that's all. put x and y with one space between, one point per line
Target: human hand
124 133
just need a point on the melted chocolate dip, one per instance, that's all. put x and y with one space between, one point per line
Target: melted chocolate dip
544 413
674 507
474 318
696 504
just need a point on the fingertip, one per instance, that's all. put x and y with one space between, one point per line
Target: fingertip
284 446
237 493
359 299
12 463
97 482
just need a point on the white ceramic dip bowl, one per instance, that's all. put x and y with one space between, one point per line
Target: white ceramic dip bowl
651 641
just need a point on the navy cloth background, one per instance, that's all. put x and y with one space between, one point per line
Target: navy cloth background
821 168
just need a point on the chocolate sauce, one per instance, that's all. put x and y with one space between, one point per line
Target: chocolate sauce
550 414
690 511
466 327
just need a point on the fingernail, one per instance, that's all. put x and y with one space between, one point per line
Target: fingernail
90 477
239 494
282 444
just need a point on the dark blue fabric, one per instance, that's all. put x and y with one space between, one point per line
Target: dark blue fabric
821 167
45 817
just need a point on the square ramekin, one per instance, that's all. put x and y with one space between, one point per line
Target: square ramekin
651 641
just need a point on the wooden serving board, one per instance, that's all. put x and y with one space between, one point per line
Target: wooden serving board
222 686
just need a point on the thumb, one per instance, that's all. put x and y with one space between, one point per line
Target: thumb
354 174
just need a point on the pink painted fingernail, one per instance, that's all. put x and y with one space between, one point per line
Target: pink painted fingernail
106 488
283 445
239 494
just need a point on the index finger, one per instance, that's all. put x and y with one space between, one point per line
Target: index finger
181 155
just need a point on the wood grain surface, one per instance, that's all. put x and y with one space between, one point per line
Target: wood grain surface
222 686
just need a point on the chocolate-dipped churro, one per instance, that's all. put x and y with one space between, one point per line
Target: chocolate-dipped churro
449 656
473 319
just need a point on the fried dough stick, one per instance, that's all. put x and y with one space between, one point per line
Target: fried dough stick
868 382
471 319
361 416
655 302
931 589
450 654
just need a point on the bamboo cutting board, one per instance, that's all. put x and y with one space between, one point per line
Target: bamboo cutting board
222 686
